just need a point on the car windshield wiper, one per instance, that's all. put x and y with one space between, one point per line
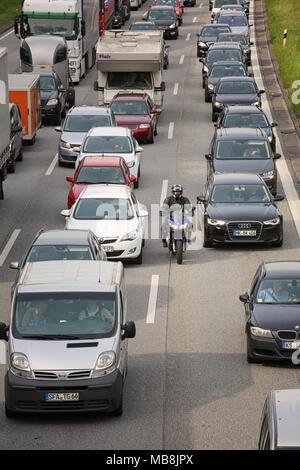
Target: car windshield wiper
50 337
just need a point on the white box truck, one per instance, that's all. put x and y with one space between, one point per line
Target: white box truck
130 61
76 20
4 119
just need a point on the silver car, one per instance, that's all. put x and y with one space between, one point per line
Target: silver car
79 120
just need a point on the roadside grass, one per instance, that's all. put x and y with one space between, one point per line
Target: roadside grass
8 10
285 14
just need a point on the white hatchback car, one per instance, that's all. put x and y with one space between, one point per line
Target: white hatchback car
117 141
115 216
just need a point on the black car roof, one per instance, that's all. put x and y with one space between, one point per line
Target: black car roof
243 109
63 237
229 45
233 13
225 133
227 62
237 79
237 178
282 269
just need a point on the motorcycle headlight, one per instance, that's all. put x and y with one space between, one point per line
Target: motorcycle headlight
267 175
144 126
19 365
216 222
65 145
52 102
106 364
130 236
260 332
275 221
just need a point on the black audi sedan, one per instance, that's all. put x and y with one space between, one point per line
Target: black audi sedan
238 37
221 51
208 36
239 208
243 150
248 116
272 309
165 18
235 91
219 70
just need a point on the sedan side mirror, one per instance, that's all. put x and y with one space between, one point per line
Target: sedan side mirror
3 331
14 265
251 43
69 179
244 298
153 111
261 92
208 156
201 60
201 199
274 124
277 155
58 129
65 213
279 197
139 149
129 330
143 213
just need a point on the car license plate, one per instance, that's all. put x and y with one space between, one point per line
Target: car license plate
62 396
244 233
291 345
107 248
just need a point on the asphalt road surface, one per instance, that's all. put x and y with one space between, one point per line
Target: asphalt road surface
189 385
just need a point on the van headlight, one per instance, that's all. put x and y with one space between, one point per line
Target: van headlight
106 364
130 236
52 102
19 365
260 332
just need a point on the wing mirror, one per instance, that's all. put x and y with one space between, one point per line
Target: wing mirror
208 156
132 179
14 265
201 199
279 197
69 179
277 155
139 149
244 298
261 92
3 331
129 330
58 129
65 213
274 124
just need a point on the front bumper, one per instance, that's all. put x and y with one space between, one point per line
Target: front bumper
67 155
49 111
170 33
224 234
267 349
123 250
28 396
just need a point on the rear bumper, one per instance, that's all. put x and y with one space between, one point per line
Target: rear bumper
29 396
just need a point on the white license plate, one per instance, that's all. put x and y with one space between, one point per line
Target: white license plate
62 396
244 233
107 248
291 345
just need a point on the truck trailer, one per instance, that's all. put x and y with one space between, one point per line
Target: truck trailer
4 119
75 20
130 61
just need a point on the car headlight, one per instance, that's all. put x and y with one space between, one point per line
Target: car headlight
205 69
216 222
130 164
270 138
267 175
130 236
210 87
219 105
65 145
19 365
144 126
106 364
52 102
202 44
255 104
275 221
172 26
256 331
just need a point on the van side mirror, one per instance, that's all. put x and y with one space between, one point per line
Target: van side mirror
3 331
129 330
244 298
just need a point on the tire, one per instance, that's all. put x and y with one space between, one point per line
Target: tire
151 141
179 251
203 83
11 167
139 259
60 163
207 96
155 130
20 156
278 244
207 243
250 358
10 414
214 117
136 183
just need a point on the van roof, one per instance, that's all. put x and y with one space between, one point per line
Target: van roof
70 276
286 405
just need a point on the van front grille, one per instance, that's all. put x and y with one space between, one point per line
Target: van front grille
62 374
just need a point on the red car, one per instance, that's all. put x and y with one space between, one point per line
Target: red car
177 4
136 111
97 170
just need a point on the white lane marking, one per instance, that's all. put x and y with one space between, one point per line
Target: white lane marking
200 6
194 19
2 352
181 60
51 167
171 130
7 34
197 234
164 190
188 37
175 88
152 299
9 245
283 171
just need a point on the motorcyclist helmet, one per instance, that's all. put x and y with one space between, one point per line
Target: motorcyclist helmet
177 190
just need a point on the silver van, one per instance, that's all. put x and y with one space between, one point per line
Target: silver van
67 339
280 421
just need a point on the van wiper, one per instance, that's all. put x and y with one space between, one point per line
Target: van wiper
50 337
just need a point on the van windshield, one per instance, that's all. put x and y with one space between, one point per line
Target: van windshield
65 315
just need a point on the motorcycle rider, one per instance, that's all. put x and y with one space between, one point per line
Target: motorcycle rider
169 205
